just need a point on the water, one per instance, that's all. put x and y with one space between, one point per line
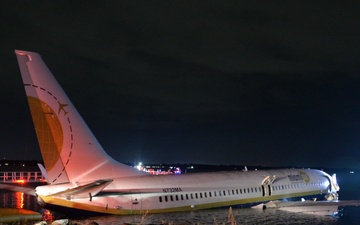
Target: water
350 190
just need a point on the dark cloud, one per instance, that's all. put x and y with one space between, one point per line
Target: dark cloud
194 81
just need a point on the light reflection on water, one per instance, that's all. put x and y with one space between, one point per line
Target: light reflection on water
18 200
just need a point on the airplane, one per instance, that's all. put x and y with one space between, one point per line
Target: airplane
82 177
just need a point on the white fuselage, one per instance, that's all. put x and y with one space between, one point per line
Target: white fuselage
170 193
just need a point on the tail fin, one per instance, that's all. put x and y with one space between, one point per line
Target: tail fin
70 151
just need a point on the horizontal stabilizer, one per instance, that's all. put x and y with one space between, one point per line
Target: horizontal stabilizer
84 191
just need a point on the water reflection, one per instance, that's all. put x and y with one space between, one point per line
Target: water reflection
19 200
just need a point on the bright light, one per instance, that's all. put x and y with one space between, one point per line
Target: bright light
139 166
20 181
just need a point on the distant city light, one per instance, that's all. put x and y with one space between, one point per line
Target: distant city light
158 169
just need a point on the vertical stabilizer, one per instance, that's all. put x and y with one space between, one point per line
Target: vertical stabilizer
70 151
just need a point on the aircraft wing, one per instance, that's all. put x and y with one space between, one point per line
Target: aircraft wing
84 191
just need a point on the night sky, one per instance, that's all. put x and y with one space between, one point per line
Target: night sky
216 82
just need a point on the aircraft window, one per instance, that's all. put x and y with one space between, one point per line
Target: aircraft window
210 194
171 198
182 197
200 195
248 190
282 187
237 191
176 198
160 199
192 196
240 191
166 198
187 197
219 193
252 190
255 189
229 192
244 190
205 194
196 195
215 193
224 192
